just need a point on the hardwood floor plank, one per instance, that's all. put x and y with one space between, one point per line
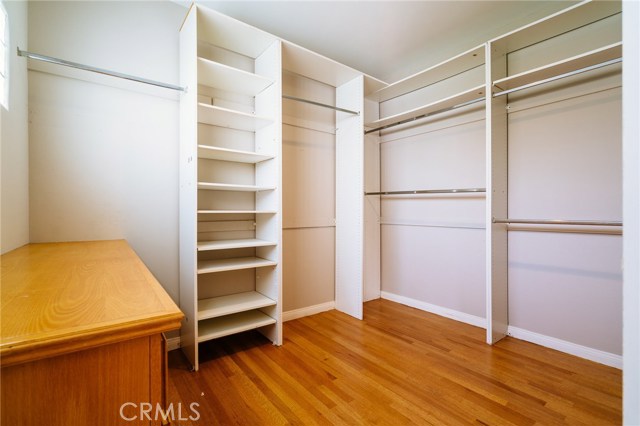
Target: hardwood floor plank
398 366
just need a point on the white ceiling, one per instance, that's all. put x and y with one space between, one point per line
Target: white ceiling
388 40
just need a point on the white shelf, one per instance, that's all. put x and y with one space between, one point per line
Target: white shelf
232 187
561 22
232 304
457 99
234 264
594 57
214 328
456 65
223 117
233 244
220 76
225 154
236 212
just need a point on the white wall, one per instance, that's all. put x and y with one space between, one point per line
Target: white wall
104 153
14 204
433 245
631 212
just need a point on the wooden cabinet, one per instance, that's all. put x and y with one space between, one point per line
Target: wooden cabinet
82 340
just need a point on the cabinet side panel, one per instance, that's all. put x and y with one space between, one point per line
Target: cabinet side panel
269 173
188 186
496 170
372 209
350 199
631 212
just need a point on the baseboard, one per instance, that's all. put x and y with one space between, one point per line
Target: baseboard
585 352
309 310
173 343
606 358
435 309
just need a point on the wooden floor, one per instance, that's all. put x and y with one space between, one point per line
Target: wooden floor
398 366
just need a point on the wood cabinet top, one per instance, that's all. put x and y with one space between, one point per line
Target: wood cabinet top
58 298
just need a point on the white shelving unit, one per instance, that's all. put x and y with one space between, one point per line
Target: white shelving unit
230 132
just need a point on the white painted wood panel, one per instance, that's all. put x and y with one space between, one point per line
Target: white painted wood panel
631 169
188 188
497 283
350 199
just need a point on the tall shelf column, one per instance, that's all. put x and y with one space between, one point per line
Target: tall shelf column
230 174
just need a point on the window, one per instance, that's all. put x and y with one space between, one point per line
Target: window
4 57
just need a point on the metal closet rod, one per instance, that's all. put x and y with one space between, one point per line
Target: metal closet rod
76 65
557 222
429 191
420 117
558 77
306 101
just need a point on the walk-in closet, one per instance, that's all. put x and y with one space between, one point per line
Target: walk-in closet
342 212
486 188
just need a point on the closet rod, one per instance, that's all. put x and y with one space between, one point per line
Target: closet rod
558 77
306 101
556 222
57 61
428 191
420 117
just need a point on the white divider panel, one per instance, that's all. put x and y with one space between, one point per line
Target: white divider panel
188 186
497 178
372 254
350 198
631 213
269 227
